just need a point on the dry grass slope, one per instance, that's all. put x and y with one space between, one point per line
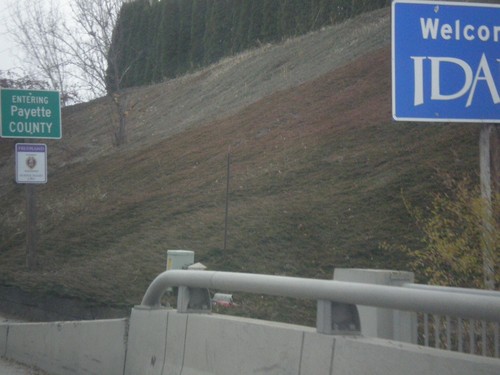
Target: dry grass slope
318 169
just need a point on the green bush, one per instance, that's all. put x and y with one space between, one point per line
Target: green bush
453 236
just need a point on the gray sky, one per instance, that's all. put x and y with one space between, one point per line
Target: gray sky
10 55
7 47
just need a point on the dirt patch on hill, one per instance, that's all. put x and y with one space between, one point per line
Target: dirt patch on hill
161 110
316 176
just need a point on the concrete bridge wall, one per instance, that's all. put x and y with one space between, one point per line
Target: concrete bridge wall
64 348
170 343
165 342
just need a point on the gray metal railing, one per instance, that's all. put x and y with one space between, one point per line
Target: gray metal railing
476 307
452 332
455 311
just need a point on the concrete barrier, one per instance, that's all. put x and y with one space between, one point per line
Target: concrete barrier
3 340
166 342
61 348
381 357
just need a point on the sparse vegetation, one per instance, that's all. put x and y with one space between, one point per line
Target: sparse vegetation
159 40
317 170
452 236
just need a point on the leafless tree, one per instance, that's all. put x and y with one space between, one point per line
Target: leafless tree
89 44
10 79
87 39
74 51
69 47
35 29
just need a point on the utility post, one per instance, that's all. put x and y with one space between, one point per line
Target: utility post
487 151
226 213
31 227
443 78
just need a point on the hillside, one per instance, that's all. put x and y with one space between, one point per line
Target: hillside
318 170
158 39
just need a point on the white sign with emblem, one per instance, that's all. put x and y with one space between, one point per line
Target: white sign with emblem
31 163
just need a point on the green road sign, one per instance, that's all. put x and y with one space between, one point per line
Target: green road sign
30 114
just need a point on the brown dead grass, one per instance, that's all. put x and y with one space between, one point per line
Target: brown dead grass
317 172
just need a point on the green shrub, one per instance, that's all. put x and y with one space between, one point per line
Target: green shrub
454 236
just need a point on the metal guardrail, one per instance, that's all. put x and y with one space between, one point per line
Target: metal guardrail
466 306
452 332
459 319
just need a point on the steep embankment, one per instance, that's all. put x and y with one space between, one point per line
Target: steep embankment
318 169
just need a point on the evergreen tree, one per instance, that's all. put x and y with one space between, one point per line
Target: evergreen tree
255 24
127 49
302 11
270 28
170 37
240 37
154 69
185 9
217 32
286 22
141 43
198 24
342 10
166 38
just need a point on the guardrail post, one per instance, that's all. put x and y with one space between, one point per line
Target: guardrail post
378 322
193 300
334 318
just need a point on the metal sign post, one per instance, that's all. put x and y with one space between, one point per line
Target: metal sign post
31 169
30 114
445 68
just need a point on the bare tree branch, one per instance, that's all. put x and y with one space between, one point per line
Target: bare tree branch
74 53
88 39
69 52
35 29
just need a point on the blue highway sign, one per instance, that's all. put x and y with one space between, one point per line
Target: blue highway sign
445 61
